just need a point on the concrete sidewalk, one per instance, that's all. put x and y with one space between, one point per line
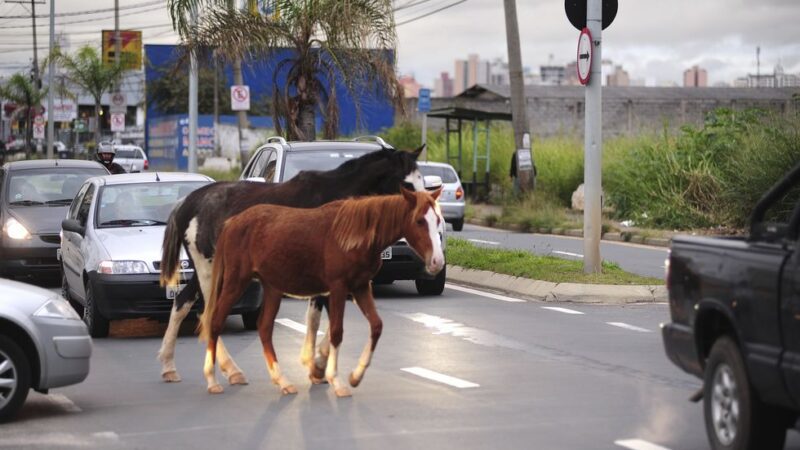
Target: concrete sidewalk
557 292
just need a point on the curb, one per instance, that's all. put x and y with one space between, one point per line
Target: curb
557 292
625 236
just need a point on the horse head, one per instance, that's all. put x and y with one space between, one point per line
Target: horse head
421 230
388 170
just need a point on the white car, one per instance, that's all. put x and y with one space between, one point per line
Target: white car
131 157
43 344
111 246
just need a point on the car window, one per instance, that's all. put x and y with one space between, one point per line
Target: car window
317 160
447 174
73 209
260 163
142 204
50 185
126 153
85 205
139 154
269 168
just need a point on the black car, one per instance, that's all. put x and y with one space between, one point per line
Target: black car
34 198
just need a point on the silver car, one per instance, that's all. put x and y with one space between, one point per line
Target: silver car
43 344
452 199
131 157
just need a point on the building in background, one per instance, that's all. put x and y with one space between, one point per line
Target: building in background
443 86
410 86
552 75
619 77
695 77
460 73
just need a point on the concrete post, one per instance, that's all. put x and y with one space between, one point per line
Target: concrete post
51 91
593 145
193 104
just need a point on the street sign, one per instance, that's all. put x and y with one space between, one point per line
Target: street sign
117 122
38 127
117 103
585 56
424 101
576 12
524 160
240 97
80 125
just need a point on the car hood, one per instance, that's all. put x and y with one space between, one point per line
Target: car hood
133 243
40 219
25 297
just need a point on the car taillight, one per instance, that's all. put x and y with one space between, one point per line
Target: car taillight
459 193
667 273
146 164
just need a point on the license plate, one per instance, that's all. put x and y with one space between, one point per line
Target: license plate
387 253
173 291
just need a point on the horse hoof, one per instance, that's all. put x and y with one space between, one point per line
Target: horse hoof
317 372
215 389
317 380
171 377
287 390
354 381
343 392
237 378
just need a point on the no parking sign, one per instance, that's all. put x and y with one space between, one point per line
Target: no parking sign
240 97
117 122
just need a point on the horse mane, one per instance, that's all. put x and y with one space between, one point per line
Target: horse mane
365 222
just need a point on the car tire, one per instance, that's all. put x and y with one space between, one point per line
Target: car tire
97 324
735 418
434 286
458 224
250 319
17 372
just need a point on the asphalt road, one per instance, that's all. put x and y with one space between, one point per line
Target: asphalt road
634 258
525 377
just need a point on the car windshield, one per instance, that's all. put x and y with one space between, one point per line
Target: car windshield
128 153
47 185
143 204
447 174
317 160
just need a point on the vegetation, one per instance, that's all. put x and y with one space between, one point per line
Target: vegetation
524 264
331 40
21 90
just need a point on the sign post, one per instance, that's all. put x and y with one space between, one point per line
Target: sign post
117 122
38 127
424 106
240 101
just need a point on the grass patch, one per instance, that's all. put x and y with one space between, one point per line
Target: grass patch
222 175
521 263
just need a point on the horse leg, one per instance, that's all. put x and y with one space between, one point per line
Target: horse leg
336 330
166 354
272 302
366 303
307 353
209 367
324 347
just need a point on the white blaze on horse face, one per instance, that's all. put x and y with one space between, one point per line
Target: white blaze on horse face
436 263
415 179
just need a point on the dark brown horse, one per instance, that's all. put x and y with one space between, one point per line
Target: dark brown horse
196 222
334 249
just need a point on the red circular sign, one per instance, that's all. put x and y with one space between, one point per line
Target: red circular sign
585 51
240 93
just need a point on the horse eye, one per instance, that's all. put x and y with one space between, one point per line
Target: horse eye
421 222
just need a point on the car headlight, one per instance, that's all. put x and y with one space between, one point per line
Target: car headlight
122 267
15 230
57 308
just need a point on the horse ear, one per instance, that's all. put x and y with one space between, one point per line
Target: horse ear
435 194
418 151
409 196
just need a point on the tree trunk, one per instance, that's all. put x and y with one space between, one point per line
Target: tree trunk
28 134
306 121
97 134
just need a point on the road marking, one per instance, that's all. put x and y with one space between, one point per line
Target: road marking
110 435
481 241
296 326
638 444
478 336
484 294
629 327
561 310
574 255
64 402
440 377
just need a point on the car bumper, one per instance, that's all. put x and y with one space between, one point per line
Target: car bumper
680 347
67 349
29 257
452 210
141 295
404 265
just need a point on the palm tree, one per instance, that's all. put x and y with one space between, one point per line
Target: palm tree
85 69
21 90
349 41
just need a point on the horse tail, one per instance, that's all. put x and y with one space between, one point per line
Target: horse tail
171 250
217 275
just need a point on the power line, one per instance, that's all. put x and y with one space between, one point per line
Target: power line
410 5
94 19
90 11
430 13
95 30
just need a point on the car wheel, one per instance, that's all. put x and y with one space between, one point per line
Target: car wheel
65 293
250 319
432 287
735 418
95 322
458 224
15 378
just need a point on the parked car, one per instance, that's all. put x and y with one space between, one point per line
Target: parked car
131 157
735 310
279 160
452 199
43 344
111 246
34 198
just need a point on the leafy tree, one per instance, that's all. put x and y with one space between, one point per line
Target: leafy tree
21 90
329 38
85 69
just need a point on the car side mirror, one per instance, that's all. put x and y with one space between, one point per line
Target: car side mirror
73 226
257 179
433 182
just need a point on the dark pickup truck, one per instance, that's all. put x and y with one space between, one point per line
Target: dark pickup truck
735 310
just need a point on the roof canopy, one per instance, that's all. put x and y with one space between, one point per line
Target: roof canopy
468 114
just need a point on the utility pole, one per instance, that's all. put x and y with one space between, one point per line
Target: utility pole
593 144
217 146
758 66
50 68
238 80
117 51
193 102
518 118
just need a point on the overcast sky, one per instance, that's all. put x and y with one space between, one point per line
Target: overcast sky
654 40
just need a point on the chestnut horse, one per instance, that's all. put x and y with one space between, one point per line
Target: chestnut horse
196 222
334 249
